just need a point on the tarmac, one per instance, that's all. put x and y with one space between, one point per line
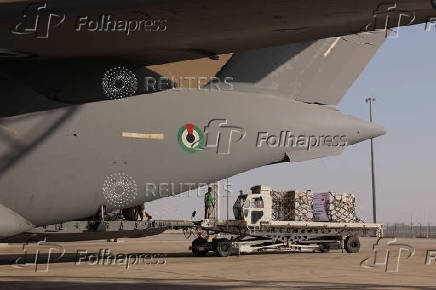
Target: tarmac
165 261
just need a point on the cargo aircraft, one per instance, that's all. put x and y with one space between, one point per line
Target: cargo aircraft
84 123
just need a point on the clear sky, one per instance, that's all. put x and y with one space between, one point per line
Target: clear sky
402 76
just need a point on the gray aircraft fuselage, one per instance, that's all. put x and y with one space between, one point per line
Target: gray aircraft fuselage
58 173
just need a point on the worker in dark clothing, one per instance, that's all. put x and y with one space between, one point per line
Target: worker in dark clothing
238 206
208 203
140 209
133 213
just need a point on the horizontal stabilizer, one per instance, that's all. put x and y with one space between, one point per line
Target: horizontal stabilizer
319 72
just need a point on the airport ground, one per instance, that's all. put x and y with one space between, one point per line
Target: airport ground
176 267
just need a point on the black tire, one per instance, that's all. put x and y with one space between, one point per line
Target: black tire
224 248
352 244
324 247
199 247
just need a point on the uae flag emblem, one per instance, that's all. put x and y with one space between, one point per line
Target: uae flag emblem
191 138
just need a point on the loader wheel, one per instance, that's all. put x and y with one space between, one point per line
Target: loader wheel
352 244
224 248
200 247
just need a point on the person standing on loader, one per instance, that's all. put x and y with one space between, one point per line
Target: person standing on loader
208 203
238 206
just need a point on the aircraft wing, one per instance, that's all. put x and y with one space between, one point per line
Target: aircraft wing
314 72
156 32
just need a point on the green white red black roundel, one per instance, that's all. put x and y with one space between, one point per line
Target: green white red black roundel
190 137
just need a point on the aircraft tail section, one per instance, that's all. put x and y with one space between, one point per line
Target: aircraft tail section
319 72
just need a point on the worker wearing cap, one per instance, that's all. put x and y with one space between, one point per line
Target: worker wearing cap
238 206
208 203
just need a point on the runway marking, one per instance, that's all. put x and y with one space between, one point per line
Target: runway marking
331 47
143 136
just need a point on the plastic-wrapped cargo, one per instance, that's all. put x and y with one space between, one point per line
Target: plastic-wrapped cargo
320 207
292 205
306 206
335 207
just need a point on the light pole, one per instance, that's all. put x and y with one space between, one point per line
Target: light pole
227 198
370 100
217 201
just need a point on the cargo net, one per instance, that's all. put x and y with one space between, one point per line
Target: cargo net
292 206
297 206
341 208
